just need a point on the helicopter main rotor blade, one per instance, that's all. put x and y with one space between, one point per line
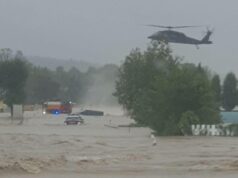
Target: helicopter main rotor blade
186 26
170 27
160 26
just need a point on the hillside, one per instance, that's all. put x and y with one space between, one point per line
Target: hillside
53 63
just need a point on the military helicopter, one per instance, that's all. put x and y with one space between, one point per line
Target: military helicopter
172 36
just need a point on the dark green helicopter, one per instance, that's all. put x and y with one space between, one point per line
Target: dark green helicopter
172 36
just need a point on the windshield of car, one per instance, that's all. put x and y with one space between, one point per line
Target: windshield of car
73 118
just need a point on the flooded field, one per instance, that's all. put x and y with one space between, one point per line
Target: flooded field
43 147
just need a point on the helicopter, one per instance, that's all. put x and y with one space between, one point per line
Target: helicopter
172 36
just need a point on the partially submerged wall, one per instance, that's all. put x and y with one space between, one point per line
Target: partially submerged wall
17 111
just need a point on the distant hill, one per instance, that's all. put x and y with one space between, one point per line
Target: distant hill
53 63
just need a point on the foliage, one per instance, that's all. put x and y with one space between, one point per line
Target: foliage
156 90
44 84
71 85
187 119
216 86
13 76
229 96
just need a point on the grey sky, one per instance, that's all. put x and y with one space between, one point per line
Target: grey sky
104 31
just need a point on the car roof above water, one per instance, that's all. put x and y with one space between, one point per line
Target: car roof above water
73 117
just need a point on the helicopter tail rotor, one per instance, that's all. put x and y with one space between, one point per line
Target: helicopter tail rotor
209 29
205 39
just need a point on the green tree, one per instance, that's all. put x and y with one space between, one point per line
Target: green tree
6 54
70 83
157 90
187 119
229 96
13 76
44 84
41 85
216 86
73 85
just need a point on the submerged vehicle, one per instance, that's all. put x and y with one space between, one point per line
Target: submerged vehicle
88 112
74 120
57 107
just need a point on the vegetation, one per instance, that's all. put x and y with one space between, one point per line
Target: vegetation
216 86
13 76
187 119
72 85
229 97
159 91
23 83
41 85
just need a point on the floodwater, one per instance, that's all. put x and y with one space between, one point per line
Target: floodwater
43 147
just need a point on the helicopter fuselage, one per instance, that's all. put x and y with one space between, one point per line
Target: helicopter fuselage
177 37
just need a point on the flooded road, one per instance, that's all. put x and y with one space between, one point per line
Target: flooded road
43 147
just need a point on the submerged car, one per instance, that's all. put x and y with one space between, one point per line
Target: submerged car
74 120
88 112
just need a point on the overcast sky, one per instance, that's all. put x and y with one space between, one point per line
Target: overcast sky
105 31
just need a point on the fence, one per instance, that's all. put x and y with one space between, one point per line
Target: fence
212 130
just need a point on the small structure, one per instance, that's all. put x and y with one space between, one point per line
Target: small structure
17 111
154 142
2 106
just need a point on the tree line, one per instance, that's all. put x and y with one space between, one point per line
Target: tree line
23 83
